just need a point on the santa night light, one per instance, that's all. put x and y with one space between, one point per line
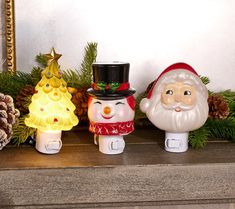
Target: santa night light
111 106
177 103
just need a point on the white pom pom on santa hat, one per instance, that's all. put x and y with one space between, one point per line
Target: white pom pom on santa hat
183 68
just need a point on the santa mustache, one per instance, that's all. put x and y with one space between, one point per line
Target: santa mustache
178 106
166 117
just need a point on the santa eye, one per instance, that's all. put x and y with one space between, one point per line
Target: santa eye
187 92
97 102
170 92
119 103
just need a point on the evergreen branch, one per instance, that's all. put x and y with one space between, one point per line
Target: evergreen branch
222 128
21 132
27 101
41 60
83 78
198 138
36 75
86 66
23 77
229 96
204 79
11 84
228 93
231 104
72 78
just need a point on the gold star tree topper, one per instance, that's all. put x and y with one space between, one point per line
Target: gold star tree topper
53 67
52 56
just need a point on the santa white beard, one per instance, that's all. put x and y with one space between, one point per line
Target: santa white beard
171 121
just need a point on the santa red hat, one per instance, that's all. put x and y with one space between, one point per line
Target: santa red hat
176 67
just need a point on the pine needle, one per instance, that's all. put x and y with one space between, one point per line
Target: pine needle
222 128
72 78
27 101
36 75
229 96
11 84
198 138
82 78
41 60
23 77
86 66
21 132
205 79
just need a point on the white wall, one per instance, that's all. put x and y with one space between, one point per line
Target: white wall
150 34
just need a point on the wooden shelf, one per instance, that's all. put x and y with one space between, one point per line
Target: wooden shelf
145 174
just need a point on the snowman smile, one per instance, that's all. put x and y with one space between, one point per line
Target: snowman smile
107 117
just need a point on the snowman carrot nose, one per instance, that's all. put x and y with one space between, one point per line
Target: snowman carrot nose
107 110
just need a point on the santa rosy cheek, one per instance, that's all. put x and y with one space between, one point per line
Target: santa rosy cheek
165 99
190 100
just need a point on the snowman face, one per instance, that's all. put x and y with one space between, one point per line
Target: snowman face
110 111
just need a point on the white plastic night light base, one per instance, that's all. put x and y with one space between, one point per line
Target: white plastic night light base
48 142
111 145
176 142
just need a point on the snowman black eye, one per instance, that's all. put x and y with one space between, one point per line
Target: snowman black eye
187 93
97 102
119 103
170 92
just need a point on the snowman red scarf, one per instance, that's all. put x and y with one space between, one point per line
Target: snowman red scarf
119 128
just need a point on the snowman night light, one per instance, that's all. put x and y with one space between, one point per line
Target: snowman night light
111 106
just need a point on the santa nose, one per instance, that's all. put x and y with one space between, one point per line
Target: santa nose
107 110
177 98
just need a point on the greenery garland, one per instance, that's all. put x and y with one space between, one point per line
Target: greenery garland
11 84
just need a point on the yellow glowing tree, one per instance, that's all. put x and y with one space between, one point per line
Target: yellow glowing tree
51 107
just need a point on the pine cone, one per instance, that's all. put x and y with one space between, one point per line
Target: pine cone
8 117
21 99
218 107
79 99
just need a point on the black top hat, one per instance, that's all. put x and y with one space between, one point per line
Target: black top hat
110 81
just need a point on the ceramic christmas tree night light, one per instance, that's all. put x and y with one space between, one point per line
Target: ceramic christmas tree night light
177 103
111 106
51 109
